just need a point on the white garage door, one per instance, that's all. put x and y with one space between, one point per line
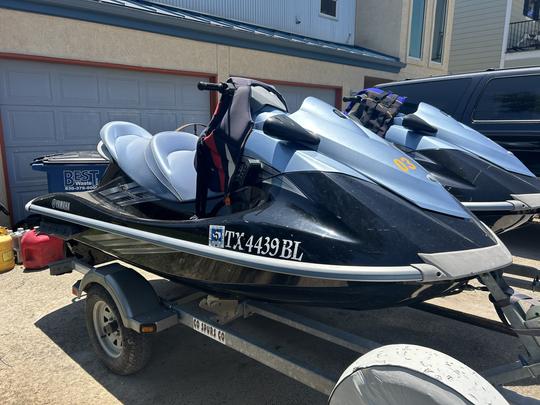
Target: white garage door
48 108
295 95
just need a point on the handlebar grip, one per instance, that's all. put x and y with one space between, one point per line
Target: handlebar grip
212 86
346 99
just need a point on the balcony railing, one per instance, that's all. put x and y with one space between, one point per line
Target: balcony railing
524 36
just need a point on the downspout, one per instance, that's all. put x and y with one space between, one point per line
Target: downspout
506 31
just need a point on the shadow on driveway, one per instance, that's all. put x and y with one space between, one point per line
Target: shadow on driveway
186 368
524 242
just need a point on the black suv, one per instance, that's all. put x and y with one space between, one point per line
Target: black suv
504 105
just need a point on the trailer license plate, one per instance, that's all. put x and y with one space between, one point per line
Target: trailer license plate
209 330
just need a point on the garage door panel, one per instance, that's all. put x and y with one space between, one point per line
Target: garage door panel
79 126
191 97
77 89
127 115
160 93
191 117
21 173
29 125
28 87
155 122
21 197
122 92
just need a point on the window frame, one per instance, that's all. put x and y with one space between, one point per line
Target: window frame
483 91
445 31
330 16
422 37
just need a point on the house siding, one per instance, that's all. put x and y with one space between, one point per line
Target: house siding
282 15
478 35
517 11
369 16
531 61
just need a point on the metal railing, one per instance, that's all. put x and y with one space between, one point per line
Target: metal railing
523 36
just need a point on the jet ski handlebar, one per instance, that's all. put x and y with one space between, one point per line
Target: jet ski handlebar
347 99
220 87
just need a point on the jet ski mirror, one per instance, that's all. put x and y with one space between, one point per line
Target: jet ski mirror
417 124
282 127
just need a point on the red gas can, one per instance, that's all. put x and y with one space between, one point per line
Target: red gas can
39 250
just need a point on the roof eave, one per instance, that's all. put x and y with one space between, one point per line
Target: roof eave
111 14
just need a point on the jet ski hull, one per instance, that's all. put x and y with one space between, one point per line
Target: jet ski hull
501 199
348 246
229 280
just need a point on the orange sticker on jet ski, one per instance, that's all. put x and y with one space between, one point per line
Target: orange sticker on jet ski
404 164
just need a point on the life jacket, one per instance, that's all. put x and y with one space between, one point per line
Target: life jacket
220 147
376 109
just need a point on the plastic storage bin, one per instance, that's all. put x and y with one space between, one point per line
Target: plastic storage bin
72 171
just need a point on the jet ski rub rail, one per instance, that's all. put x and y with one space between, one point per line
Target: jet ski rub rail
462 264
315 270
521 203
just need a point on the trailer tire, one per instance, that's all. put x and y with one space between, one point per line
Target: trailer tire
122 350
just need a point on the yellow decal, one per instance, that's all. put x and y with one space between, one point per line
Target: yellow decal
404 164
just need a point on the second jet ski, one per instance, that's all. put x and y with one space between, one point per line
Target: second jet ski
485 177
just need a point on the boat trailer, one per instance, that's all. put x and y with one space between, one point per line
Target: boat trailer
141 310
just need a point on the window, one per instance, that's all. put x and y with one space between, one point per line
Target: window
510 99
531 9
328 7
416 33
438 31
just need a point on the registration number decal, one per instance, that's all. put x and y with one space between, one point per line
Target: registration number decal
288 249
210 331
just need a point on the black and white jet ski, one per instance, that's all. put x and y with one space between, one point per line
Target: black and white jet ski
274 206
489 180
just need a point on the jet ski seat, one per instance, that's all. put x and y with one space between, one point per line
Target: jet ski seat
171 157
127 144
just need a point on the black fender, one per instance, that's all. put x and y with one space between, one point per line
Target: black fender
134 296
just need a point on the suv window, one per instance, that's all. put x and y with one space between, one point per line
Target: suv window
443 94
510 99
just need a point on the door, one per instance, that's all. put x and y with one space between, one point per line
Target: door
48 108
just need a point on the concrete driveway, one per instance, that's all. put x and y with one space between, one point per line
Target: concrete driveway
45 354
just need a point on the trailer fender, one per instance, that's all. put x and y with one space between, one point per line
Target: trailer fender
139 306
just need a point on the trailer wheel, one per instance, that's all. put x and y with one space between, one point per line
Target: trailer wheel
122 350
